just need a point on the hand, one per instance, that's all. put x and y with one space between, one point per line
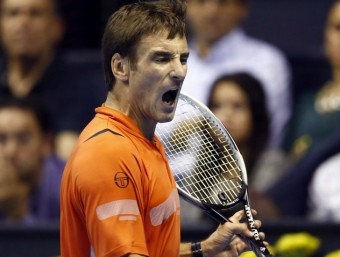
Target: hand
224 242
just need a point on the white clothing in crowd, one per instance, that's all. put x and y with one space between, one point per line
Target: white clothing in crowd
237 52
324 191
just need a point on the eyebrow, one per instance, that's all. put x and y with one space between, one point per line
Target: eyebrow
168 53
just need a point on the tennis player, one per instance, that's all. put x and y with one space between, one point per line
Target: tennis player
118 196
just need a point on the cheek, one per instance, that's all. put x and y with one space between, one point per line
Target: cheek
244 126
219 114
32 152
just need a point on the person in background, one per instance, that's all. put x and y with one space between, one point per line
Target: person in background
317 115
30 31
306 185
239 102
324 191
27 162
118 196
218 45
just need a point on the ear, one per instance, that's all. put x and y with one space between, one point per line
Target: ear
120 67
57 29
244 11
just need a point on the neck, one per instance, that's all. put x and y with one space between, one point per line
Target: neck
24 72
203 47
123 105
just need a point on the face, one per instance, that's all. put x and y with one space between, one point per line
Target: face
212 19
230 105
332 35
156 79
29 27
22 144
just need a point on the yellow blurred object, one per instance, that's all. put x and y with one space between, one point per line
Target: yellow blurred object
248 254
333 254
302 244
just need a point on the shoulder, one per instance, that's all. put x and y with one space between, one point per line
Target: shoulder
95 162
105 143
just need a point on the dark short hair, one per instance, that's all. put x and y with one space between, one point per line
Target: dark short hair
30 104
126 27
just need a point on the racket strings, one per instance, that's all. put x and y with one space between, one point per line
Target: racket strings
201 159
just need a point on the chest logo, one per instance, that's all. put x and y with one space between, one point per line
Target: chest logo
121 180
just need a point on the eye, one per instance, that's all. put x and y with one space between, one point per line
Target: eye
161 59
10 13
3 139
184 59
215 106
239 106
37 12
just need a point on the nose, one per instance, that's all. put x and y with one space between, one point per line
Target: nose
179 71
224 114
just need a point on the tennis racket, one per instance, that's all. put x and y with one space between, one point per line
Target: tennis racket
207 166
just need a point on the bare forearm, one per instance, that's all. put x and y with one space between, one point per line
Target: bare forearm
185 250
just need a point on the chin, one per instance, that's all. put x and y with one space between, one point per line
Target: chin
166 118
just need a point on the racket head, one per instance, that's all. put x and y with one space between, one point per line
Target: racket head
207 166
202 154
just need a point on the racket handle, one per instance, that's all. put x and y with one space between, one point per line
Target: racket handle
257 247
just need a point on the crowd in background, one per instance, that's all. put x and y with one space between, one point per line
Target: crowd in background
290 142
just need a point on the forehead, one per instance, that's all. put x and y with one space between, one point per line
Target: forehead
160 42
335 12
229 85
14 118
41 4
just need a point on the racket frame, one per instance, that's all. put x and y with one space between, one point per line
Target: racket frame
217 212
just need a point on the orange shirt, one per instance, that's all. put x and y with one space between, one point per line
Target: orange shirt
118 195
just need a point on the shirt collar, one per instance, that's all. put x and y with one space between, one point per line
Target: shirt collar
125 123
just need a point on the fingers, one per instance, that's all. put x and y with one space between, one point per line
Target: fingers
243 227
224 236
239 215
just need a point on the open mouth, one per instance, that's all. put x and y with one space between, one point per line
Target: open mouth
170 96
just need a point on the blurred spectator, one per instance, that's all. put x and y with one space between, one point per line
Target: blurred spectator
218 46
238 100
324 191
26 161
317 114
291 193
30 33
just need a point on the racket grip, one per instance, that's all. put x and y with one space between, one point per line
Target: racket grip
256 246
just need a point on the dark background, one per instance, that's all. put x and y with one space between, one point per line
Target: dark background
295 26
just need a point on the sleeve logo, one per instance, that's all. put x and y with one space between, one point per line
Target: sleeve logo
121 180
